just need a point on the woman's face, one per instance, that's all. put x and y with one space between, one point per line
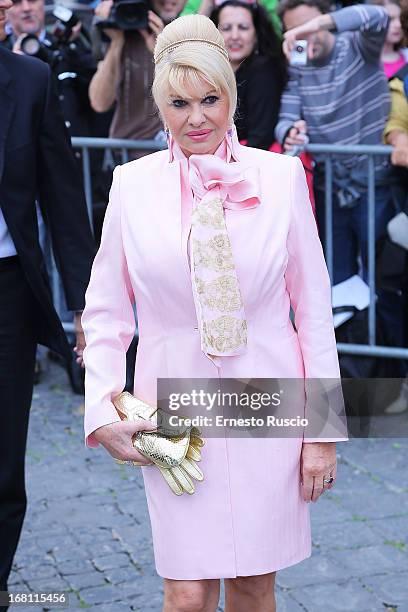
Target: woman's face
237 27
394 34
197 121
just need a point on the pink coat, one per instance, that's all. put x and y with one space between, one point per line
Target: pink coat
247 517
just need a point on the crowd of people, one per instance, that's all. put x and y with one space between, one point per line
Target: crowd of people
344 84
278 102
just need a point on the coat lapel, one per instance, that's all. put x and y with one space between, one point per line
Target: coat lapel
177 207
7 105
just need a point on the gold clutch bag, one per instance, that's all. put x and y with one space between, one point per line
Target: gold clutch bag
174 451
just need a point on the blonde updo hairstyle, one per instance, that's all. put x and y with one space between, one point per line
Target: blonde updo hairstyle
190 49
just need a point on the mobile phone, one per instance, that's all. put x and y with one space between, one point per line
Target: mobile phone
298 56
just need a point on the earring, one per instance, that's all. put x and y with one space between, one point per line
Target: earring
232 140
170 142
168 135
229 137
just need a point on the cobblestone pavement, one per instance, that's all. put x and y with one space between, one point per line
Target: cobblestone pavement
86 530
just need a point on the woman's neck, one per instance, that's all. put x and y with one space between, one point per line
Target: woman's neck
389 54
235 65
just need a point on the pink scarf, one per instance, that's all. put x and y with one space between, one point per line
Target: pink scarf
216 183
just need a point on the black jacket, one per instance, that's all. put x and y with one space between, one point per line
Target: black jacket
259 92
36 162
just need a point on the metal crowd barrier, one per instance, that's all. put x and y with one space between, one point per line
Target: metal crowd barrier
371 151
121 148
371 349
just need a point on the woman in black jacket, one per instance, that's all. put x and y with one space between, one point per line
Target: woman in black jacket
256 57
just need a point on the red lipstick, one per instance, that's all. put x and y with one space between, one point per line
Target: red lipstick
199 135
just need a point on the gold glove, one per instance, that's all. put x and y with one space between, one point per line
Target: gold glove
173 450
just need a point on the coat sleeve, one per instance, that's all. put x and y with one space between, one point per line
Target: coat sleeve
290 106
62 200
398 117
370 24
108 321
309 288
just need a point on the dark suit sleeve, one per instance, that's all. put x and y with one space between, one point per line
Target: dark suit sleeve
62 200
262 103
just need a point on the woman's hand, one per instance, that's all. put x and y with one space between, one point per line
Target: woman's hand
399 155
318 461
117 439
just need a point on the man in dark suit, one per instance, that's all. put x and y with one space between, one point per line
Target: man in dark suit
36 163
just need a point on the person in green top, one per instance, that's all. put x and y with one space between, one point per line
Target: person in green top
204 7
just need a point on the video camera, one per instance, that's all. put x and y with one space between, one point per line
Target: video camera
126 15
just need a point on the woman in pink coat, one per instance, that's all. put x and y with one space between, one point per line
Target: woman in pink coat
213 242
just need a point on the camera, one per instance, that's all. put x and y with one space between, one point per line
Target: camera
45 50
298 56
30 45
66 20
126 15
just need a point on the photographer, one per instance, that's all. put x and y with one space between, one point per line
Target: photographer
125 75
339 96
67 51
